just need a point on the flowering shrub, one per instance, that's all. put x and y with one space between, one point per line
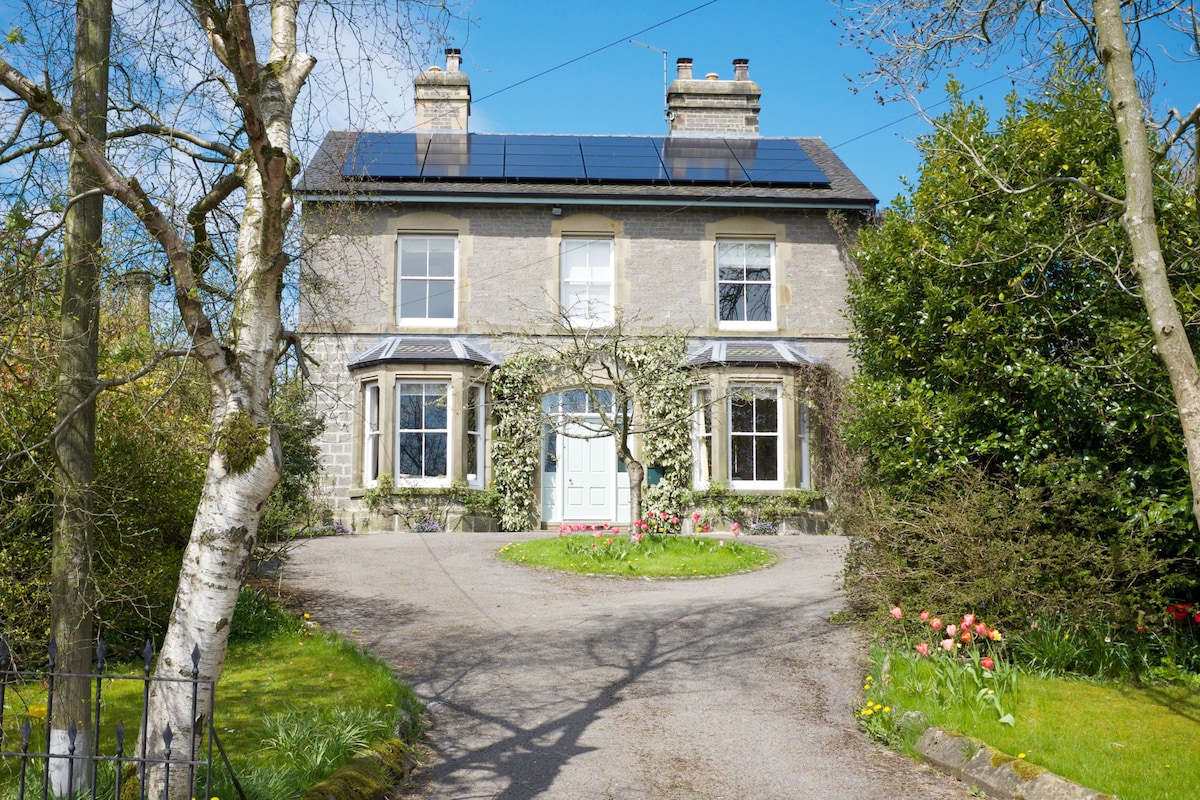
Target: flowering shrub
427 526
764 528
330 529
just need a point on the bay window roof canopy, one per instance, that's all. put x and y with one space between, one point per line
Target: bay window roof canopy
424 350
747 352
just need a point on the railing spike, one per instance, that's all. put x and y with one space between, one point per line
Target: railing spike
26 731
148 654
52 648
120 735
167 737
101 652
195 658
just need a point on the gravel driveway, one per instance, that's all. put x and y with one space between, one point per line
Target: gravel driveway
545 685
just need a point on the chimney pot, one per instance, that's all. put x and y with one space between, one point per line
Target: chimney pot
453 59
741 69
684 65
712 76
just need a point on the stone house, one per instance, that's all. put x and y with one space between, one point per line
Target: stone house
430 252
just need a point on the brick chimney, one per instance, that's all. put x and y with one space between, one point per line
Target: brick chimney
443 98
713 107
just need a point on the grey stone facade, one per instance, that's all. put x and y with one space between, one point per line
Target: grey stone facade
508 277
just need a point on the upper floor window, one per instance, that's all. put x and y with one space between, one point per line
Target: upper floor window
587 280
422 428
425 286
746 284
754 431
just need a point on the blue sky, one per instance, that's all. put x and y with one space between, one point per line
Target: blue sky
794 52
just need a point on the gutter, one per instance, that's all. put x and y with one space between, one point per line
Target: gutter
569 200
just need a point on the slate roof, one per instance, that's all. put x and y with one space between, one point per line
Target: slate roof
324 176
422 349
747 352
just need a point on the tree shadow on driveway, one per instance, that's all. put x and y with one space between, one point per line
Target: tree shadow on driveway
515 713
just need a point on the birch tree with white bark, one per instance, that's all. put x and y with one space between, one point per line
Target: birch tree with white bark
914 40
200 163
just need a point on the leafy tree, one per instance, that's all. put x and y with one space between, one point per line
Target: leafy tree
997 331
911 39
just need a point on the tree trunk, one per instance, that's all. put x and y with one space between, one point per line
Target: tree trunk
214 566
1141 227
636 475
74 447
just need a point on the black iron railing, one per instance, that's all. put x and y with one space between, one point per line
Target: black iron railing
26 763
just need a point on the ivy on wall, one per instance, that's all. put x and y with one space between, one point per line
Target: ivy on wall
516 441
666 402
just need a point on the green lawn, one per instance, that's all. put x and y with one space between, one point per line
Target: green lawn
651 557
1131 740
292 705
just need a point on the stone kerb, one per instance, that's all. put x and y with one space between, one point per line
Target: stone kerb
997 774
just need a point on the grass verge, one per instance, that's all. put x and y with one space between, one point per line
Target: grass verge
292 706
644 557
1124 739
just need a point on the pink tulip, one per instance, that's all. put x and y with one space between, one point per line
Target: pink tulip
936 623
695 517
951 630
736 528
721 542
947 645
897 612
637 537
924 616
923 649
674 520
981 629
968 620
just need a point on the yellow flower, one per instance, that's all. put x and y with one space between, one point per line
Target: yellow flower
1020 755
307 615
887 709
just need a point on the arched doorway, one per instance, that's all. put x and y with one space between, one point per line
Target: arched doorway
582 478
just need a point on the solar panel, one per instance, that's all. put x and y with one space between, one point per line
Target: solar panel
615 159
701 161
778 161
384 155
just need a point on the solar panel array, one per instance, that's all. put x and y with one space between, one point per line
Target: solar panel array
580 159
